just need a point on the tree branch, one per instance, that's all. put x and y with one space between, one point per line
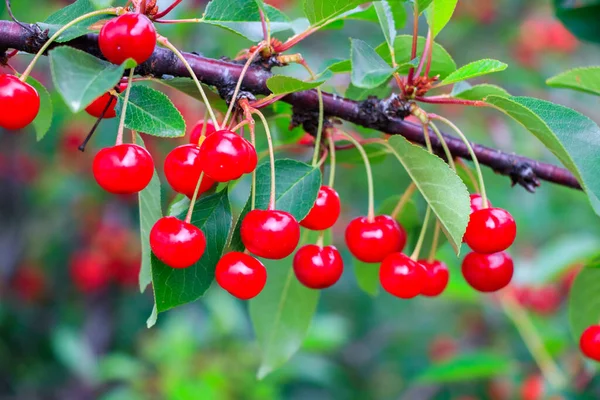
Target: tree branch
371 113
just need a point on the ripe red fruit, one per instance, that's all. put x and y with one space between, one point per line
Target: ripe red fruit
197 131
533 388
488 272
251 157
19 102
544 300
95 109
490 230
437 277
477 202
318 267
29 283
325 212
270 234
589 343
242 275
402 277
225 156
89 271
123 169
130 35
177 243
371 242
183 169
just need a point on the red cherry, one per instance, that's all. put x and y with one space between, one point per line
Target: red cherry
477 202
251 157
371 242
437 277
224 156
19 102
589 343
533 388
402 277
241 275
95 109
270 234
197 131
318 267
325 212
487 272
182 170
130 35
490 230
177 243
29 283
123 169
89 271
544 300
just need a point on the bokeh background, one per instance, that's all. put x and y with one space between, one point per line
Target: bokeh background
72 321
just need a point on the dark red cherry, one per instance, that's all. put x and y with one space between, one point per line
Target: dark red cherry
19 103
318 267
89 271
402 277
490 230
477 202
589 343
224 156
437 277
242 275
371 242
325 212
197 131
183 169
130 35
270 234
123 169
95 109
488 272
177 243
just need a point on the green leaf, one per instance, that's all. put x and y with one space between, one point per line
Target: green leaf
439 14
282 312
422 5
151 112
68 14
474 69
442 63
319 11
443 190
369 70
463 90
584 302
386 21
100 4
396 18
572 137
174 287
280 84
375 152
43 120
467 367
359 94
150 212
243 17
81 78
581 18
585 80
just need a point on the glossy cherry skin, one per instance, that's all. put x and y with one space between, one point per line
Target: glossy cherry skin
183 169
318 267
402 277
177 243
325 212
488 272
95 109
224 156
242 275
19 103
270 234
477 202
130 35
490 230
589 343
123 169
371 242
197 131
437 277
251 157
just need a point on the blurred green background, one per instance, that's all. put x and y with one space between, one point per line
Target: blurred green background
72 323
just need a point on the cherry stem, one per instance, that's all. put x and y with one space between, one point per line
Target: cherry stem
321 239
165 42
484 199
253 141
413 52
271 157
124 109
319 136
406 196
239 82
363 153
427 138
469 174
60 32
450 100
444 145
96 124
434 242
267 101
415 254
188 217
331 160
425 53
294 40
180 21
533 341
168 9
12 16
240 125
265 27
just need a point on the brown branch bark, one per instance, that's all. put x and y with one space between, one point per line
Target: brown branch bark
371 113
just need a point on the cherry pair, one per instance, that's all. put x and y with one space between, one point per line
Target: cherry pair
19 102
405 278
